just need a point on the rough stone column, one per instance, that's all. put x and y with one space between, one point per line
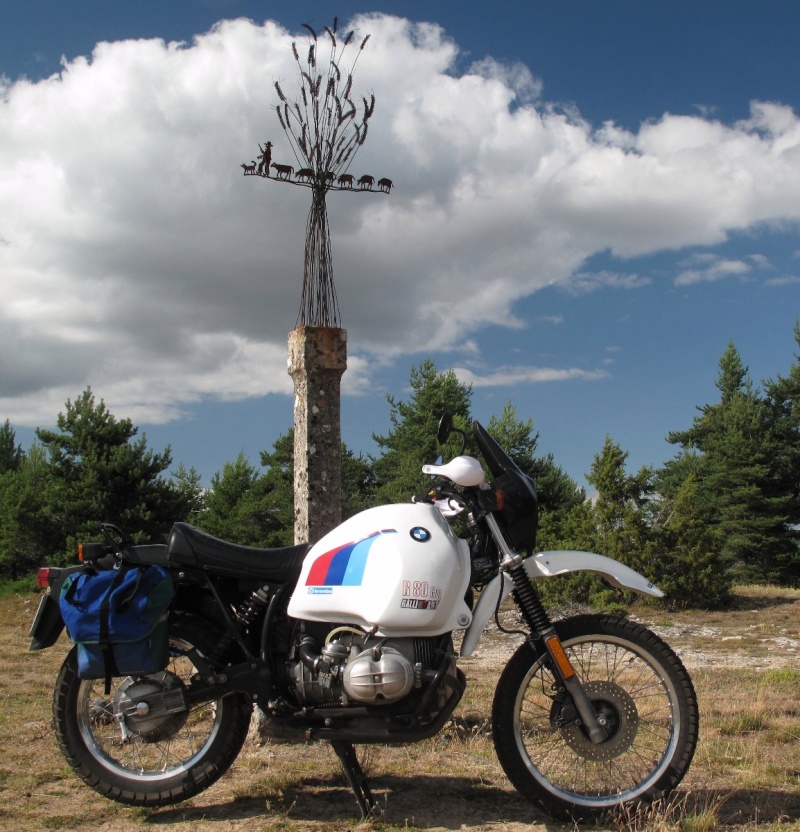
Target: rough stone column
317 360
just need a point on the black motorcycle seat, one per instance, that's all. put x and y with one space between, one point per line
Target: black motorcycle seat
191 547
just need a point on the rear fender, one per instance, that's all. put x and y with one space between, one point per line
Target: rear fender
47 625
548 565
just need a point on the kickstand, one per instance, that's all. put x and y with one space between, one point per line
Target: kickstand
355 777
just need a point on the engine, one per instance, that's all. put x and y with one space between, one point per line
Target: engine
351 666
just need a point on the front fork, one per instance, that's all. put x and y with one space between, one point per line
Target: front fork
541 627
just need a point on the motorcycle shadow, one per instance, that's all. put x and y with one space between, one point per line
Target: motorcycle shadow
425 801
464 803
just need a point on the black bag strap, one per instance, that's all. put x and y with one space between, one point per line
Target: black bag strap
105 645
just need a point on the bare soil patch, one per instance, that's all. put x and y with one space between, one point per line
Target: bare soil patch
746 773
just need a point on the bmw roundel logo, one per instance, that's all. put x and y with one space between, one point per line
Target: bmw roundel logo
420 535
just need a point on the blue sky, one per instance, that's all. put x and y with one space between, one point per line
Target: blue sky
592 199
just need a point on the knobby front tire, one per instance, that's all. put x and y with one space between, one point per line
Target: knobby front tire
149 761
640 689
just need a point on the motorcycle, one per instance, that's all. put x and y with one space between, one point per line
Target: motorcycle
350 641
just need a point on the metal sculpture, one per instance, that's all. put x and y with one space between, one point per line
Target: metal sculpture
325 129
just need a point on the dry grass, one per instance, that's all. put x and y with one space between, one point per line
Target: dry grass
746 774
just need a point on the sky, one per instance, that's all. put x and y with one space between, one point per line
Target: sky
592 200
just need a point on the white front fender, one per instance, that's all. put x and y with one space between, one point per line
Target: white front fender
547 565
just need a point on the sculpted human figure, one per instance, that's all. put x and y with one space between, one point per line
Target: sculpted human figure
266 158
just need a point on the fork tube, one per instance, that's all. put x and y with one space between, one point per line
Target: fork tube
538 621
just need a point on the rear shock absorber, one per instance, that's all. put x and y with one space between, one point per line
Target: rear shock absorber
250 609
247 612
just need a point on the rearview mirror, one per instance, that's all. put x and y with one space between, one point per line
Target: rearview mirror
445 427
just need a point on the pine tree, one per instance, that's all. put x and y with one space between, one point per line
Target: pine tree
690 564
783 401
230 511
98 471
11 454
188 482
24 542
737 449
278 482
621 508
358 483
615 524
250 507
412 441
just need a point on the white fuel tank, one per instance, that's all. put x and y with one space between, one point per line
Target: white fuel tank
399 568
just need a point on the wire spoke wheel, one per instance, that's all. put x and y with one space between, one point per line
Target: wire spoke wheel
642 697
139 743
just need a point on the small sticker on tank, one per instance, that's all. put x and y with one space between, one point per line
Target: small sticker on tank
320 590
418 604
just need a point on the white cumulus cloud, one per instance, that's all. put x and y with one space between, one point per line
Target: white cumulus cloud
135 256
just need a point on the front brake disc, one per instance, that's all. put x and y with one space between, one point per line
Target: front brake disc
614 705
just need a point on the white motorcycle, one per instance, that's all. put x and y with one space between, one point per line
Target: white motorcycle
350 640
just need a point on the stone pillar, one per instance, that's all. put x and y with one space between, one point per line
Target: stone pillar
317 360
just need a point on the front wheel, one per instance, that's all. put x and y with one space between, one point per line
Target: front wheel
139 744
641 693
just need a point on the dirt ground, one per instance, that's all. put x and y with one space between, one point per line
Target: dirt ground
452 782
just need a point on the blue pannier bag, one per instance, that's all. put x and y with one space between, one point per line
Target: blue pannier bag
119 619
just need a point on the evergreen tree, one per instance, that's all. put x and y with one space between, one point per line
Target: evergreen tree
737 449
783 401
667 540
252 508
412 441
689 563
11 454
188 482
225 514
238 506
97 472
278 482
23 516
615 524
358 483
516 437
621 508
13 500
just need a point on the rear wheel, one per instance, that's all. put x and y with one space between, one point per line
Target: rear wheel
139 744
641 694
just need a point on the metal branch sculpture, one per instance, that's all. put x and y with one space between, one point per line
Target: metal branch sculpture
325 128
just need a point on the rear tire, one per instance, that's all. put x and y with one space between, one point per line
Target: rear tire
640 688
141 760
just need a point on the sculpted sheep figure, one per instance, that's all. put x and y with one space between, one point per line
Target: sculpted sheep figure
385 185
366 181
304 174
282 171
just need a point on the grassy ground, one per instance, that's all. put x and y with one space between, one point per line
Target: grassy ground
746 773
